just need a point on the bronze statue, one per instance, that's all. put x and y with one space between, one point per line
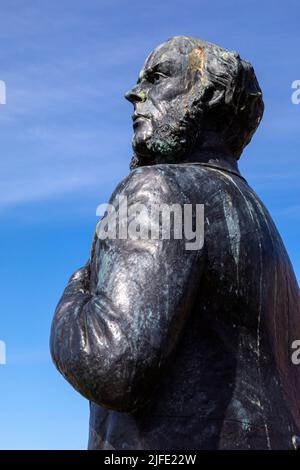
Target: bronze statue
177 348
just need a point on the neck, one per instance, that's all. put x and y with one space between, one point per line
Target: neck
213 152
214 159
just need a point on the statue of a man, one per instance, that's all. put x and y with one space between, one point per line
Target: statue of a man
182 348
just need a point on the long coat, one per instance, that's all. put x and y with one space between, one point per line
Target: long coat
180 348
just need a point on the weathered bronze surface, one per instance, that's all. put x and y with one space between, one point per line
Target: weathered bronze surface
177 348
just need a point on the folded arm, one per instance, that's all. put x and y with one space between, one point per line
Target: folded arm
111 338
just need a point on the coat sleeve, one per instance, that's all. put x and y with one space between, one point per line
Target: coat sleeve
120 317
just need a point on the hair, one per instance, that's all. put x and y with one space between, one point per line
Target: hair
241 104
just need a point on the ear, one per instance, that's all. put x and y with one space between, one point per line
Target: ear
212 97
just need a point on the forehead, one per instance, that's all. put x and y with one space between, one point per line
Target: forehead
176 56
169 53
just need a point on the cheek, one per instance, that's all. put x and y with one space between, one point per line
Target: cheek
171 89
169 101
173 112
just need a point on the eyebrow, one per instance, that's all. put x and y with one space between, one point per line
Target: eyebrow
152 69
167 61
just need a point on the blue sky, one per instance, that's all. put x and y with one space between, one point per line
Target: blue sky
65 137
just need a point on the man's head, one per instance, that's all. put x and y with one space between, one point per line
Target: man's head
189 89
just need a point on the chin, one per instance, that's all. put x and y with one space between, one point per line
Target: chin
140 146
166 144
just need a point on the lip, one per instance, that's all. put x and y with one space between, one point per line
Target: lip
137 116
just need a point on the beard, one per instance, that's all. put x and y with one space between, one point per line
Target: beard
167 143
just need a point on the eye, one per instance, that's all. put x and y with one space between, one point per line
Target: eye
154 77
157 76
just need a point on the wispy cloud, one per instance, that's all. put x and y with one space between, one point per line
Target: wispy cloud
290 211
62 160
58 129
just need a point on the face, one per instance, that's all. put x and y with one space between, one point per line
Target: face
161 98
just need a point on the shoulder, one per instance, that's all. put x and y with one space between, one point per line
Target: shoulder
155 182
150 175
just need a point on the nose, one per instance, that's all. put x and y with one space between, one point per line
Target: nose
135 95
